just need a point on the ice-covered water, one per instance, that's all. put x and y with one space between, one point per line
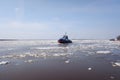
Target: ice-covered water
50 48
89 53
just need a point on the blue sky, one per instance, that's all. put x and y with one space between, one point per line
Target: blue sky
50 19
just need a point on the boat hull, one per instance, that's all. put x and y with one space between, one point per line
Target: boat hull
64 41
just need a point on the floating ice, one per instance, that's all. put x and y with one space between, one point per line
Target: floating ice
89 68
7 56
29 61
31 54
61 54
117 63
103 52
35 55
4 62
67 61
39 48
10 48
43 54
56 55
112 77
22 56
114 64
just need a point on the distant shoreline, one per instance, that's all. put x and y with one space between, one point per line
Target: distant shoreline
9 39
43 39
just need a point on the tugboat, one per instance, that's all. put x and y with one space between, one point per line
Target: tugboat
64 39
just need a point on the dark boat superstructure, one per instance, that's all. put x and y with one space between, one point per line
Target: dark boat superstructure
64 39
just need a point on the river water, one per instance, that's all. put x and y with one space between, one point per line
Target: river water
49 60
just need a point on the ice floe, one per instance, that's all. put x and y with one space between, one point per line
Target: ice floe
28 61
62 54
117 63
39 48
112 77
67 61
103 52
89 68
35 55
4 62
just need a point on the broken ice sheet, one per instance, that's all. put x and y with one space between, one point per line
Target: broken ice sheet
62 54
67 61
4 62
112 77
117 63
103 52
28 61
89 68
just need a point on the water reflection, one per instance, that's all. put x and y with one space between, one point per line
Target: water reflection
64 45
